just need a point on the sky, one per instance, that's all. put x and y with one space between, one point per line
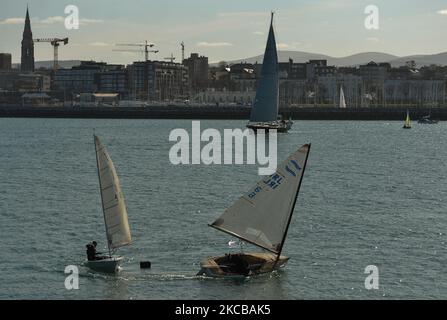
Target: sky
225 30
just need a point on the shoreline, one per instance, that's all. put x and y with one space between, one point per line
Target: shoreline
219 113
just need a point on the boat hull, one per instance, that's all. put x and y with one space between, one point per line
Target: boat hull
279 126
256 263
427 121
109 265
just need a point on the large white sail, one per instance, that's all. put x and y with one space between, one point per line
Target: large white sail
342 99
262 215
114 207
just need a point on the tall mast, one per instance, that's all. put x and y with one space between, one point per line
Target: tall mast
293 208
100 191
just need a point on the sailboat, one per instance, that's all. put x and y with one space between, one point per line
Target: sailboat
407 124
260 217
264 113
342 104
427 119
114 211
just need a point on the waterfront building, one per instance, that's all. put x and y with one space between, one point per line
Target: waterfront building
295 92
35 99
5 61
14 80
112 81
141 80
329 89
83 78
292 70
224 97
374 74
158 81
171 81
421 92
198 71
242 77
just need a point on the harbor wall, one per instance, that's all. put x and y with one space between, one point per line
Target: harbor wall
221 112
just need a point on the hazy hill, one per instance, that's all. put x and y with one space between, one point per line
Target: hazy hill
300 56
355 59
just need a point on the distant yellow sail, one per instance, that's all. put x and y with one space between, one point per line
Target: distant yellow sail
408 120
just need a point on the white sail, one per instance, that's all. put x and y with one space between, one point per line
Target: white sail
342 99
114 207
262 215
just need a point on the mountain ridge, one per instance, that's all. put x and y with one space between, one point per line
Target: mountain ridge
301 57
354 59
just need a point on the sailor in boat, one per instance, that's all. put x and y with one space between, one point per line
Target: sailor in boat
237 264
92 254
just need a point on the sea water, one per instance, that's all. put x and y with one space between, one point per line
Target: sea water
372 194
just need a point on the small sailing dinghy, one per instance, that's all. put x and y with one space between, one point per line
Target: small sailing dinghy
114 210
427 119
407 124
342 104
260 217
264 113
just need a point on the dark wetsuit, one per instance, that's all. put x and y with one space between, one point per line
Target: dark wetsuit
91 252
240 265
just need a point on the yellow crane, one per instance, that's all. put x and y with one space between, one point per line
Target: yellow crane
144 47
171 58
55 42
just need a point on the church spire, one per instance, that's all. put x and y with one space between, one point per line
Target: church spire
27 30
27 62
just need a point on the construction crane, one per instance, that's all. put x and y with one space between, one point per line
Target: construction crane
55 43
144 47
183 51
171 58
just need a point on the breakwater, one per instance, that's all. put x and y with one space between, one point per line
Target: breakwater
221 112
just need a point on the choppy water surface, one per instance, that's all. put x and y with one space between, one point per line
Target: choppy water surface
373 194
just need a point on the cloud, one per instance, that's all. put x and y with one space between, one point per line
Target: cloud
373 39
99 44
85 22
46 21
282 46
259 33
59 19
243 14
214 44
443 12
13 21
51 20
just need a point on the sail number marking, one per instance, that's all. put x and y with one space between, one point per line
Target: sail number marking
253 194
296 166
274 181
